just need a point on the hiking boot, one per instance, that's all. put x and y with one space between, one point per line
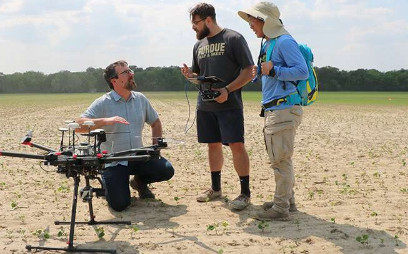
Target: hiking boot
268 205
142 188
271 214
209 195
241 202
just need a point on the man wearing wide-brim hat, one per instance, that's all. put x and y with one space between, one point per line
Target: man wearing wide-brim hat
280 65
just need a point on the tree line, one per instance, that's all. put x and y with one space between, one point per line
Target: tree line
170 79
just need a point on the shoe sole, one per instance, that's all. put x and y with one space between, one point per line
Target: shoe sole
238 208
273 219
207 200
269 207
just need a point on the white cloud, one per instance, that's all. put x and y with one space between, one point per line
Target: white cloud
83 33
53 27
11 6
382 31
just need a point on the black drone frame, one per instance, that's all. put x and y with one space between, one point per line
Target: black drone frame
89 161
204 84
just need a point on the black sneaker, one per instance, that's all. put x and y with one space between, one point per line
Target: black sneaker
142 188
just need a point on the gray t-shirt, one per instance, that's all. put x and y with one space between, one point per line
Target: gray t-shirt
137 110
224 56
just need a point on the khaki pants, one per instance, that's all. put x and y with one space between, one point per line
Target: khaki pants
279 132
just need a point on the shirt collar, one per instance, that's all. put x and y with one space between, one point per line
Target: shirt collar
117 97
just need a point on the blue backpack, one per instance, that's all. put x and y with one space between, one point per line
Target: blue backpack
308 89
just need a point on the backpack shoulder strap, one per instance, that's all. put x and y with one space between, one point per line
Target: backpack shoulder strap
270 49
269 56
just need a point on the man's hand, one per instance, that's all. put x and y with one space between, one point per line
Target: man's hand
254 71
115 119
187 71
99 122
266 67
223 96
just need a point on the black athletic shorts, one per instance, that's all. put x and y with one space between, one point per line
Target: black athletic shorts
225 126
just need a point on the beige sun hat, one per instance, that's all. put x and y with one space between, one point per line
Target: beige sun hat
269 13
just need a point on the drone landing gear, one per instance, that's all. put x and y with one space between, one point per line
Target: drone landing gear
72 223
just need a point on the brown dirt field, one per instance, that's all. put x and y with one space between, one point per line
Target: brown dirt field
351 180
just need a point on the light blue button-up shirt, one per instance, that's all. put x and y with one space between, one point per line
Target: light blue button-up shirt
137 110
289 65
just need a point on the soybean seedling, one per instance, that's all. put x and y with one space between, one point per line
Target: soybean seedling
100 232
297 222
13 205
363 240
63 188
226 199
225 225
42 234
333 220
172 231
262 225
22 218
62 233
134 230
397 240
212 227
375 214
22 232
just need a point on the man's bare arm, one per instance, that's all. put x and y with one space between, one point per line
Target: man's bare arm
99 122
244 77
157 131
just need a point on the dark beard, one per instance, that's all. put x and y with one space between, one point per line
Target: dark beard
204 33
131 85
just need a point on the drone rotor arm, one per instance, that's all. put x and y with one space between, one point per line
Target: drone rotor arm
41 147
127 158
23 155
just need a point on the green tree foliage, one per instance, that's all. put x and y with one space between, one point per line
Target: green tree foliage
332 79
170 79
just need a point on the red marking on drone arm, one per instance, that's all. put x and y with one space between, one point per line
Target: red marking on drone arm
27 143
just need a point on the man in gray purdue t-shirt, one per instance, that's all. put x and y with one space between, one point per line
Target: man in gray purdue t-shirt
223 53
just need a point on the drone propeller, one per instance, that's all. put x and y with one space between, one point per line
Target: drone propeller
27 138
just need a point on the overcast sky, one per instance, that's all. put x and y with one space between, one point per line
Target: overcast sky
54 35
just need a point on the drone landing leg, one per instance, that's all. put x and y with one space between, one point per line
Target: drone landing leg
71 247
92 220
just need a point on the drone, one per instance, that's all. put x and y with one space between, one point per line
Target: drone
205 84
84 159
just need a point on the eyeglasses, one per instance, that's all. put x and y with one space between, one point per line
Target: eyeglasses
123 72
126 72
197 21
